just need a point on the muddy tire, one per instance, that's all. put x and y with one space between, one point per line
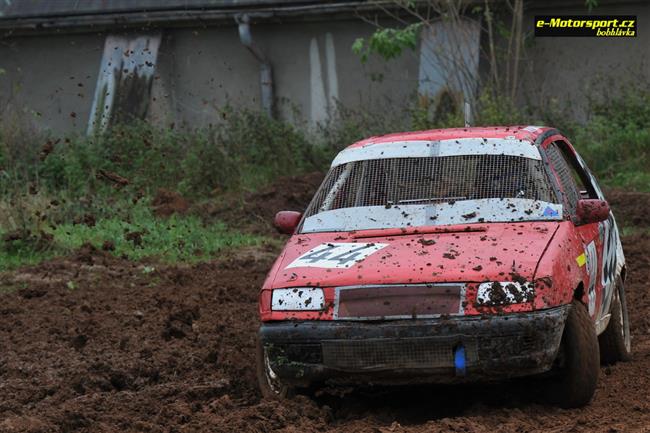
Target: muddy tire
271 387
578 368
615 342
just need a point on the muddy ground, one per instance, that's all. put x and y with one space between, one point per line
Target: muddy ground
93 343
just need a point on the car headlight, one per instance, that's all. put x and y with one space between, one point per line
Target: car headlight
495 293
298 299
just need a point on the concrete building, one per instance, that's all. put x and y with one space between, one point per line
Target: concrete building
570 70
72 65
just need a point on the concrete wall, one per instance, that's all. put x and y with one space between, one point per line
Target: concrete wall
313 66
49 80
566 71
200 70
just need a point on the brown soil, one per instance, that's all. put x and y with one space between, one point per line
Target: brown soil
93 343
630 208
167 202
254 211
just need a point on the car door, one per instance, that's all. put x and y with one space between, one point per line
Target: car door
612 260
576 183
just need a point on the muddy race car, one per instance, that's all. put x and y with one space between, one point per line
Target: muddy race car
448 256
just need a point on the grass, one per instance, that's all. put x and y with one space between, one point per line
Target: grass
633 180
177 239
22 257
184 239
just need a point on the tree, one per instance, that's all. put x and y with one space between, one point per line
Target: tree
503 49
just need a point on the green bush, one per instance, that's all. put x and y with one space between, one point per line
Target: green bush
351 125
615 141
246 150
48 185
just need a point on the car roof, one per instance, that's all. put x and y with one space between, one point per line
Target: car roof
521 132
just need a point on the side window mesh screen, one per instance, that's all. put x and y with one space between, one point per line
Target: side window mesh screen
563 170
400 181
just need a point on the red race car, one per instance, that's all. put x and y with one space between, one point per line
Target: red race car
448 256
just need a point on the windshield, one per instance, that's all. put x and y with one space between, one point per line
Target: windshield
398 192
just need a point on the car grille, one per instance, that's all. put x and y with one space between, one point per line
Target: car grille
384 354
302 353
398 301
403 353
505 346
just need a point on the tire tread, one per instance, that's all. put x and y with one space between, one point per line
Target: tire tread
577 380
612 343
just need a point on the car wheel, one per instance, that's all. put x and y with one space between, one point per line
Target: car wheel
578 365
615 341
269 383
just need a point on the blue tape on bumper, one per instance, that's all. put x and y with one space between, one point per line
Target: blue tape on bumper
459 361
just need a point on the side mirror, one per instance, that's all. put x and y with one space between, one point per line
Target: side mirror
286 221
592 211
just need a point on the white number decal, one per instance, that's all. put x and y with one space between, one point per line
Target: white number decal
340 255
610 247
611 266
592 268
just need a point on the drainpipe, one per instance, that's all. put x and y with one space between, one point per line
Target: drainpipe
266 71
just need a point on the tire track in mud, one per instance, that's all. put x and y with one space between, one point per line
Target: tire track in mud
126 348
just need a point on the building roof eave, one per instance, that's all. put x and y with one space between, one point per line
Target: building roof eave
182 17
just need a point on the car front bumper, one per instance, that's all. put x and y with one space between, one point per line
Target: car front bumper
443 350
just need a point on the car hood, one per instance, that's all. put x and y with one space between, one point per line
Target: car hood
468 253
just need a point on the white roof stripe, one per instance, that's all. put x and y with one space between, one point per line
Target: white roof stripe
452 147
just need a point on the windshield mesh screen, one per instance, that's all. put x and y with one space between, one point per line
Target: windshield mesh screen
400 181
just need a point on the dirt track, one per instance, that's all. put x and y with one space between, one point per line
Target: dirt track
127 348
